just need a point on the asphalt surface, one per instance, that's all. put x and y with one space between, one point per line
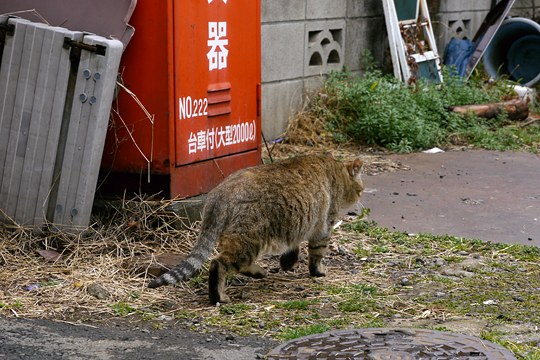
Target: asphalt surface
47 340
492 196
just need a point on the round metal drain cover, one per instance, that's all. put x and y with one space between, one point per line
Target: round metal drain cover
390 344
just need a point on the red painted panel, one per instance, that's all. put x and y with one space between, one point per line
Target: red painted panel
195 66
201 177
146 70
217 70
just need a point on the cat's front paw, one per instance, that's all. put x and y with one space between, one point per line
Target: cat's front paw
316 272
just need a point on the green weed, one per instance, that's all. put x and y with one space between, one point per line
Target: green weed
234 309
199 280
49 283
17 304
376 109
524 351
122 309
293 333
355 298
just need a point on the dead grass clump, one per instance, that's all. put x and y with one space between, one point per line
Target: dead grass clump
56 273
308 129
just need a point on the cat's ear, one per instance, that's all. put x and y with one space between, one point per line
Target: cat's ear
329 155
354 167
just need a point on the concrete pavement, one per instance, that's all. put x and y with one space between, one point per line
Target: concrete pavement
493 196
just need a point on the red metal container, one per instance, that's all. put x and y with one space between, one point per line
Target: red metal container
195 66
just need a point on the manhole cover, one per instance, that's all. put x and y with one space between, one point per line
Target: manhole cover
390 344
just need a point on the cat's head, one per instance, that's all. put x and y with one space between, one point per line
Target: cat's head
355 186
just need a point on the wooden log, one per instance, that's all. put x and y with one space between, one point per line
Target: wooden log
516 109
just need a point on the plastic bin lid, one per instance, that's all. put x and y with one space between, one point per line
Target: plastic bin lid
107 18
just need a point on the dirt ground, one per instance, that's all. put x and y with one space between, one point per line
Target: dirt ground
50 309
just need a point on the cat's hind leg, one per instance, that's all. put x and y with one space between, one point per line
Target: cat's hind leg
217 276
316 249
237 255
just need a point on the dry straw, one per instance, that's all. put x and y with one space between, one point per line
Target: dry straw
111 254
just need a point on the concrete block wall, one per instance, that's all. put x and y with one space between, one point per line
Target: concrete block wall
457 18
526 8
302 40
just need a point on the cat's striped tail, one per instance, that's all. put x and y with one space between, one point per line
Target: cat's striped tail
187 268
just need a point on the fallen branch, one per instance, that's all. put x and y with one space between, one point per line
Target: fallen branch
516 109
531 121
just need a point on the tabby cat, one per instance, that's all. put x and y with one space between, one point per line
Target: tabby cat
270 208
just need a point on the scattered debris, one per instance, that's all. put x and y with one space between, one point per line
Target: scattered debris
469 201
434 150
31 287
531 120
49 255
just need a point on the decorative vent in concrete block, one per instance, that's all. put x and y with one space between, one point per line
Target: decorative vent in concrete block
460 29
325 41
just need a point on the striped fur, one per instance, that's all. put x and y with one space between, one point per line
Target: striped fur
270 209
199 254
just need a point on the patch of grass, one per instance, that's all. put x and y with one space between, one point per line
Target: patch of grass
453 258
122 309
245 319
362 289
293 333
442 328
148 316
380 249
185 314
376 109
17 304
385 240
199 280
524 351
360 225
355 298
357 304
361 252
374 323
294 305
234 309
49 283
501 289
522 252
442 279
